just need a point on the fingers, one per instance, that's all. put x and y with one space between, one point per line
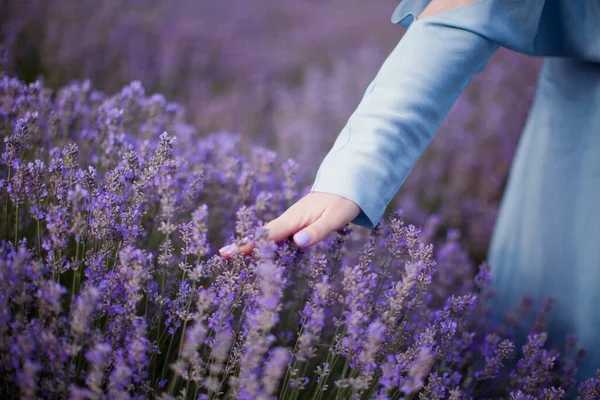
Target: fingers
278 229
232 249
317 231
288 223
308 236
310 220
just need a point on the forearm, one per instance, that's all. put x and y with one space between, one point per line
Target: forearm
399 115
440 6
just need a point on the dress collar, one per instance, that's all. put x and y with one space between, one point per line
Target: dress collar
407 11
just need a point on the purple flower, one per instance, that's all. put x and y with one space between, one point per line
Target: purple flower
590 389
82 310
35 188
103 187
194 233
495 352
15 143
418 371
261 319
178 310
49 298
97 356
57 224
274 369
533 368
313 315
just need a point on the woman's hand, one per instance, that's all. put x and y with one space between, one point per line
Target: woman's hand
310 220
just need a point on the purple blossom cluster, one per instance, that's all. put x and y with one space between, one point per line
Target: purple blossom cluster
109 288
221 61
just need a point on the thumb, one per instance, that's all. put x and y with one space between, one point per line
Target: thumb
316 231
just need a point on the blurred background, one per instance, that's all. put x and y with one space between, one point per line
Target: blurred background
284 74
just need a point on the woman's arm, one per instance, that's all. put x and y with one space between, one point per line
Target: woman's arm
403 108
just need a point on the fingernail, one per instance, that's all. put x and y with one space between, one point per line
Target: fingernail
301 238
232 249
225 249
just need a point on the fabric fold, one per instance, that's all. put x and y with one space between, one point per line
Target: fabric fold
407 11
400 112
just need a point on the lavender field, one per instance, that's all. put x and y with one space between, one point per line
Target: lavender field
114 199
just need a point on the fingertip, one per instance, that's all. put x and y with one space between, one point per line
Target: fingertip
302 238
228 251
224 255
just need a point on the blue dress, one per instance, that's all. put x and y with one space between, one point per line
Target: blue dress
546 240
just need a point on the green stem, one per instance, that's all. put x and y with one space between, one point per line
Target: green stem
187 309
39 234
16 224
80 268
166 363
235 335
73 281
146 307
160 310
374 385
210 374
342 376
382 280
336 264
7 205
296 391
196 391
288 371
318 392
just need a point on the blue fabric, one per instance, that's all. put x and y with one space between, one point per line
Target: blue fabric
546 238
546 241
400 112
556 28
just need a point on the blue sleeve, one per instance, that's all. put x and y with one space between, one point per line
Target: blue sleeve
411 94
514 24
549 28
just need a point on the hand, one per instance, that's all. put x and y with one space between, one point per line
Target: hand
310 220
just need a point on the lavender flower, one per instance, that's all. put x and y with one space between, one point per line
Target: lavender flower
274 369
116 304
261 319
418 370
590 389
18 141
82 310
495 353
533 369
97 356
313 315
